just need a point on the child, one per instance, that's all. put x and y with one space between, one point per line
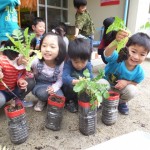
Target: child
15 79
83 22
107 38
8 18
61 30
38 27
48 71
124 71
79 54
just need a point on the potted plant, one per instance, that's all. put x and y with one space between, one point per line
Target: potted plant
54 112
91 94
17 123
110 108
16 114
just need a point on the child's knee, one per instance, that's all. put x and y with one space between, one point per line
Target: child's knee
2 100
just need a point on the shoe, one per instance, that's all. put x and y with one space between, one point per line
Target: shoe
123 108
71 106
27 103
39 106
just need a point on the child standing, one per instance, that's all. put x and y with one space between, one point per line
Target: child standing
48 71
15 79
83 22
123 71
38 27
8 18
79 54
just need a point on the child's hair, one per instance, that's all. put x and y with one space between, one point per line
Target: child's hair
78 3
79 48
62 47
109 37
140 39
36 20
8 52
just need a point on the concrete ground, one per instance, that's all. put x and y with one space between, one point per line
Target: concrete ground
69 137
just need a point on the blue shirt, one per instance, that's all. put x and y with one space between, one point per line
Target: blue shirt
115 71
70 73
8 17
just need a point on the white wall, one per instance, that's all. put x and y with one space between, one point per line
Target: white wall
98 13
138 14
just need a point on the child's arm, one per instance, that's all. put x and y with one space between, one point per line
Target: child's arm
113 45
1 74
123 83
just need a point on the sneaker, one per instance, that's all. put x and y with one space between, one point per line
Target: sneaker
27 103
123 108
71 106
39 106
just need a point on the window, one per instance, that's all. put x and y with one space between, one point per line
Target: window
53 11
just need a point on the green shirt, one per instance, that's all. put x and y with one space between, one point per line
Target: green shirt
84 23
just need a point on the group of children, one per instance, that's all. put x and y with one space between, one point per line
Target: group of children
62 64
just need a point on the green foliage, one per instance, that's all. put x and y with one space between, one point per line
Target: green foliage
117 25
145 26
92 88
21 41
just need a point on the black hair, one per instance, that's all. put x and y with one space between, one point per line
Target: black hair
78 3
79 48
140 39
62 47
109 37
59 31
8 52
36 20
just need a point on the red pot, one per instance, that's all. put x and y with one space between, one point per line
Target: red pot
57 104
14 113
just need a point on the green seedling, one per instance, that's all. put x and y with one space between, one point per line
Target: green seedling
92 88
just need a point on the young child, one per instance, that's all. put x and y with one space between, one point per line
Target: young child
48 71
83 22
38 27
107 38
123 71
8 18
61 30
15 79
79 54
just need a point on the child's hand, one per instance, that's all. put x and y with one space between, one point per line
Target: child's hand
22 61
121 84
121 35
50 90
22 83
75 81
1 75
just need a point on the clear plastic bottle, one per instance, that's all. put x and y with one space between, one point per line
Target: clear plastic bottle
54 113
110 108
87 118
17 125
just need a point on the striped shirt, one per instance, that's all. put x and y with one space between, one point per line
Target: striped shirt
11 74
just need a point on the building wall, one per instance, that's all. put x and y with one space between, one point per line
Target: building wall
138 14
98 13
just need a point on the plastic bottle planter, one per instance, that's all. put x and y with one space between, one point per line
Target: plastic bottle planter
54 112
17 124
110 108
87 117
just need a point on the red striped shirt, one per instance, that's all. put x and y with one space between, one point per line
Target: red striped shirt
11 74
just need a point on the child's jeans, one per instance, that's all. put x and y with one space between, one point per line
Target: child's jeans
5 95
40 91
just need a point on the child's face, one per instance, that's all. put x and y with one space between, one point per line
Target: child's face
79 64
137 55
50 48
81 9
39 29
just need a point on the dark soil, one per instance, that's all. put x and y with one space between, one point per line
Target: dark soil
12 108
